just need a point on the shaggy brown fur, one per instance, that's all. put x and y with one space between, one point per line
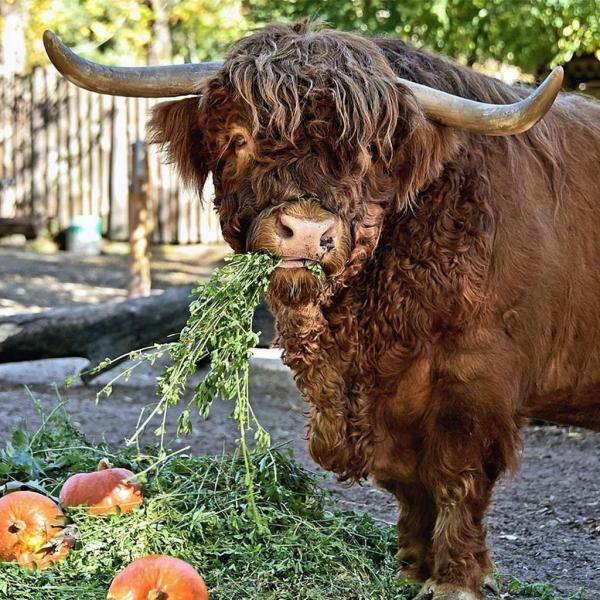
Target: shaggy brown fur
465 294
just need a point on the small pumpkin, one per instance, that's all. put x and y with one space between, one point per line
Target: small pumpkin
158 577
103 490
30 528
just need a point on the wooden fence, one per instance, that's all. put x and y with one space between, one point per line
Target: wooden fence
65 152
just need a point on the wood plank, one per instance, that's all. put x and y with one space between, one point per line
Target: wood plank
17 148
74 173
6 201
183 215
194 217
106 119
8 181
2 144
163 206
38 144
83 117
93 123
154 189
50 156
64 186
27 146
119 169
174 189
143 115
154 181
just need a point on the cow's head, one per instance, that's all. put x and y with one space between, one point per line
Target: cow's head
311 139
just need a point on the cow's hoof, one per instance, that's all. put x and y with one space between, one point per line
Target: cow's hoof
440 591
490 586
426 592
456 595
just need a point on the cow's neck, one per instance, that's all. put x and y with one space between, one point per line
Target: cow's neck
423 284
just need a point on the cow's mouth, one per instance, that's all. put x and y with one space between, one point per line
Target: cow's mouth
295 263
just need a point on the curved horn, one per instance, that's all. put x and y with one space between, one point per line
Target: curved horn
145 82
490 119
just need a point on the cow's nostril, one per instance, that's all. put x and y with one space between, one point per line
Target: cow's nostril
327 236
284 231
326 242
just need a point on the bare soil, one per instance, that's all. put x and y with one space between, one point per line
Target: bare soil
544 525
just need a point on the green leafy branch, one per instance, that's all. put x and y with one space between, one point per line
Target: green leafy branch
219 327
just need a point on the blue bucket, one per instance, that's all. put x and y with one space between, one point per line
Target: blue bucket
84 235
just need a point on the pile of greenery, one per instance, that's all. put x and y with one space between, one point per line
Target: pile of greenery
195 508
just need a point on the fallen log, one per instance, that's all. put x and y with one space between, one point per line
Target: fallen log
107 330
31 227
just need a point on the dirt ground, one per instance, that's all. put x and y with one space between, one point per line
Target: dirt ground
544 525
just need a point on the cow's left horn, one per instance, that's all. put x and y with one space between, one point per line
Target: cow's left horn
489 119
145 82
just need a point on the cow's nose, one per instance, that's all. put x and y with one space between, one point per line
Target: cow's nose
305 238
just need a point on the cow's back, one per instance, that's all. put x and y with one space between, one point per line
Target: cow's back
543 282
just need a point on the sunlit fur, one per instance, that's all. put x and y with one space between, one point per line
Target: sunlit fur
469 297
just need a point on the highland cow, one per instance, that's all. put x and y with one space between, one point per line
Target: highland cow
461 249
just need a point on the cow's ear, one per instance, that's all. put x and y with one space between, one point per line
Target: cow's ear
421 148
175 126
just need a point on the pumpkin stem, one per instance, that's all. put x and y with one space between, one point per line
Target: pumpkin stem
16 526
104 464
157 595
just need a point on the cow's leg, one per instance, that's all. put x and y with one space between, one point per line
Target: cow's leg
460 560
415 529
470 439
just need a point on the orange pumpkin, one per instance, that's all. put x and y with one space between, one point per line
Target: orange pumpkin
158 577
29 522
103 490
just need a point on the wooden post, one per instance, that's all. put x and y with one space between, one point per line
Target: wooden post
139 254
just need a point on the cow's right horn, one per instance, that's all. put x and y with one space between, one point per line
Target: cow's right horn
481 117
145 82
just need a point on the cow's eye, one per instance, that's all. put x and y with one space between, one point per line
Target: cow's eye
239 141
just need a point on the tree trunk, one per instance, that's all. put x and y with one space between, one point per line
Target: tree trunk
13 51
106 330
160 50
139 231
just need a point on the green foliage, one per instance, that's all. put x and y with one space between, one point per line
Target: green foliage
219 327
539 591
195 508
316 269
120 31
531 34
114 31
204 29
220 324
